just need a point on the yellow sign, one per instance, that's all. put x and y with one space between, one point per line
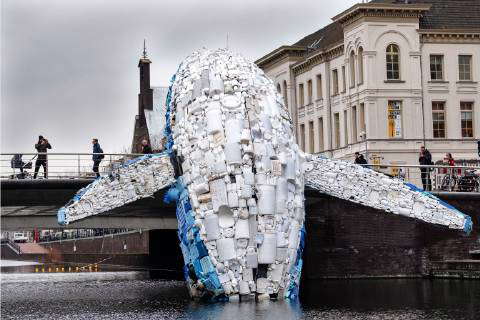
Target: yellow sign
394 115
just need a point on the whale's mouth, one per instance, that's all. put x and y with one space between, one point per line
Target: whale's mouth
232 139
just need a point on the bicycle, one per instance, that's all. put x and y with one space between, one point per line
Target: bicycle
449 182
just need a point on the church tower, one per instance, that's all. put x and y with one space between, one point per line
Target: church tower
145 97
145 102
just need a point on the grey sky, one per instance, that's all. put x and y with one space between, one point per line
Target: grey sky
69 68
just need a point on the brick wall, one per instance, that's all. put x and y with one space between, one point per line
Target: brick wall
349 240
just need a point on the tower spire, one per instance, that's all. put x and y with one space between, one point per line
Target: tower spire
144 49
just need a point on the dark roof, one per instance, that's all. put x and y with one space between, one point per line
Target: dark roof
328 35
446 14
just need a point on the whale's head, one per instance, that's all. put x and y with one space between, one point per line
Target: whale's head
234 140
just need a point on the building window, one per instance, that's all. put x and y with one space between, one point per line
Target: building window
311 137
394 119
309 91
301 95
438 119
363 126
465 68
279 90
466 115
354 125
319 87
335 81
345 127
351 62
393 62
336 118
302 136
320 135
285 96
344 88
436 67
360 65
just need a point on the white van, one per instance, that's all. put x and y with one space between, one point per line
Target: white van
19 237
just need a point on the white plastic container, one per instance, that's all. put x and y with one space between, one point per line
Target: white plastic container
225 217
294 235
276 273
290 170
211 227
266 200
218 190
281 240
251 260
262 284
216 85
242 229
243 287
232 199
281 196
226 249
268 249
233 130
214 118
231 101
233 153
247 274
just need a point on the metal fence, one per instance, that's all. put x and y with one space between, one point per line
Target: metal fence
80 166
59 165
435 177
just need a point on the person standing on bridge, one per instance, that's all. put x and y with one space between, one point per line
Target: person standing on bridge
97 156
146 149
425 159
42 145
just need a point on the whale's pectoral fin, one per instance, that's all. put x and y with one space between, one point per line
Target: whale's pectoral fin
365 186
137 178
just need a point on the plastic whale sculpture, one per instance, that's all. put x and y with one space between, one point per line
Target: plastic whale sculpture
238 176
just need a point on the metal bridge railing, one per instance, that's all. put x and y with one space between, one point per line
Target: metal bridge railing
80 166
59 165
435 177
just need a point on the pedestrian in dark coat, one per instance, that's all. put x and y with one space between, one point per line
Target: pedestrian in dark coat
146 149
42 145
425 159
359 159
97 156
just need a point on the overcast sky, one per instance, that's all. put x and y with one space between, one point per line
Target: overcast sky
69 68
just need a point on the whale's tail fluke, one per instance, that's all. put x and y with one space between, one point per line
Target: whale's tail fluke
138 178
362 185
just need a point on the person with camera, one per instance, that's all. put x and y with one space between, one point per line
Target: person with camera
425 159
146 149
97 156
42 145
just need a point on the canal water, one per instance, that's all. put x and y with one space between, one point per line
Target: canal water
131 295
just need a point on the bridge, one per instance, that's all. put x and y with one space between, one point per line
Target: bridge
29 203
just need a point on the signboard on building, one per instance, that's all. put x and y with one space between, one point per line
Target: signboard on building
394 119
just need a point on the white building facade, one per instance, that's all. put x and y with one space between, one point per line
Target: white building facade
384 79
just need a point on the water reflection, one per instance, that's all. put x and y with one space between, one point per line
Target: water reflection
128 295
274 310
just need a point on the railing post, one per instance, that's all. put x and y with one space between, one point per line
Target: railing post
78 165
